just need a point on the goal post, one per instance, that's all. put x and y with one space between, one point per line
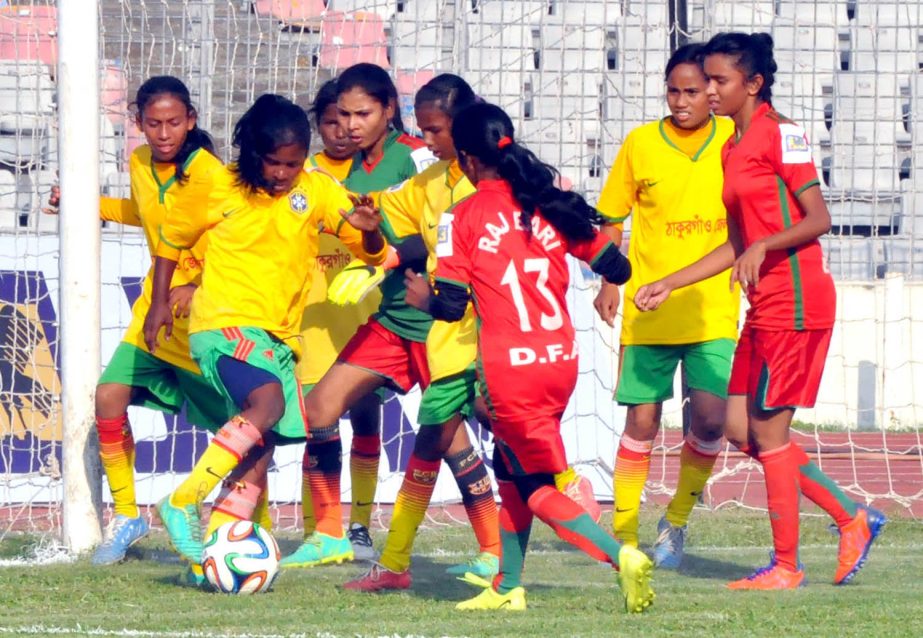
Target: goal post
79 146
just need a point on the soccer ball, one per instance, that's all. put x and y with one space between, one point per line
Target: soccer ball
241 558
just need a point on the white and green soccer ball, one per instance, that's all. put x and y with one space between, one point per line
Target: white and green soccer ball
241 558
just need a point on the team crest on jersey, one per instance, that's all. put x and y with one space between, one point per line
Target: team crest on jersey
444 236
795 147
298 202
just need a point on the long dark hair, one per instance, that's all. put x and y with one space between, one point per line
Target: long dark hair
374 82
448 93
485 131
271 122
197 138
753 54
326 95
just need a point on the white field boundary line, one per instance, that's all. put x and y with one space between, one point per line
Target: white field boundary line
46 630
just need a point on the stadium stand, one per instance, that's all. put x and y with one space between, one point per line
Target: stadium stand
29 33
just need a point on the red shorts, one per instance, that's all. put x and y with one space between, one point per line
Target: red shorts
376 349
531 446
779 368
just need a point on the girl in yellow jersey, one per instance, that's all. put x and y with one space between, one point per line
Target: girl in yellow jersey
177 151
327 327
263 218
668 177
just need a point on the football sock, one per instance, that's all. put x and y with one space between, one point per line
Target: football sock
478 498
515 527
237 501
781 470
324 466
262 516
117 453
309 522
695 464
632 463
363 472
409 510
229 445
572 524
818 487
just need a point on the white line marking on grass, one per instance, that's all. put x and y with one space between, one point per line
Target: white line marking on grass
44 630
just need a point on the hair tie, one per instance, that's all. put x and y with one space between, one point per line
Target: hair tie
504 141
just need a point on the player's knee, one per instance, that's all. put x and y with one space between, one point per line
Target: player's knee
710 427
112 400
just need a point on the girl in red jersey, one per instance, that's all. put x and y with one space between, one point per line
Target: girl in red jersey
507 250
776 212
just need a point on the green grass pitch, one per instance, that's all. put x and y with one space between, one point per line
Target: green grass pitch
568 595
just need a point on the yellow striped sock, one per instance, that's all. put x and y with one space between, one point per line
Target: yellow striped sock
409 510
363 472
117 454
696 461
262 515
632 464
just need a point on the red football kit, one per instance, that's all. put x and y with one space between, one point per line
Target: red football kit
782 348
527 360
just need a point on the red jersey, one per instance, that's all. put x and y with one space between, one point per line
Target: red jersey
518 282
764 172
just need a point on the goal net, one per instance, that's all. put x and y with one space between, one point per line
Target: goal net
576 76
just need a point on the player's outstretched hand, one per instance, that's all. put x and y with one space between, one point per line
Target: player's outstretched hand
54 201
746 269
159 315
418 290
181 300
364 216
650 296
607 302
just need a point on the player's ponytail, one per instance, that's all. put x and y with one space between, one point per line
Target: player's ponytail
485 131
753 54
196 138
375 82
271 122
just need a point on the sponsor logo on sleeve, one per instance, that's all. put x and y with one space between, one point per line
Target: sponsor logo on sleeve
795 146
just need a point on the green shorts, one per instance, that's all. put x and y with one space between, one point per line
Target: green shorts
258 348
444 398
165 387
646 372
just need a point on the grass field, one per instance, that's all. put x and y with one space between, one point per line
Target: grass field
568 595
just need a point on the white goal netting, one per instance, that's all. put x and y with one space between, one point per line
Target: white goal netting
576 76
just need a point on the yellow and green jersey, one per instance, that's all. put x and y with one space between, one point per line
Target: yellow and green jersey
154 192
326 326
337 168
418 207
261 251
670 182
404 156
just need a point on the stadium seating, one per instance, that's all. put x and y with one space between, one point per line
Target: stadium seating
383 8
743 15
420 45
290 11
408 83
830 12
805 48
26 108
904 255
114 95
853 258
29 33
348 39
503 12
590 13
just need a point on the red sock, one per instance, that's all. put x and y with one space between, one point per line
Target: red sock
817 486
572 524
781 469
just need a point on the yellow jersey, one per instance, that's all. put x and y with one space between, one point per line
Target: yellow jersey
677 218
337 168
419 205
154 192
325 326
261 251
